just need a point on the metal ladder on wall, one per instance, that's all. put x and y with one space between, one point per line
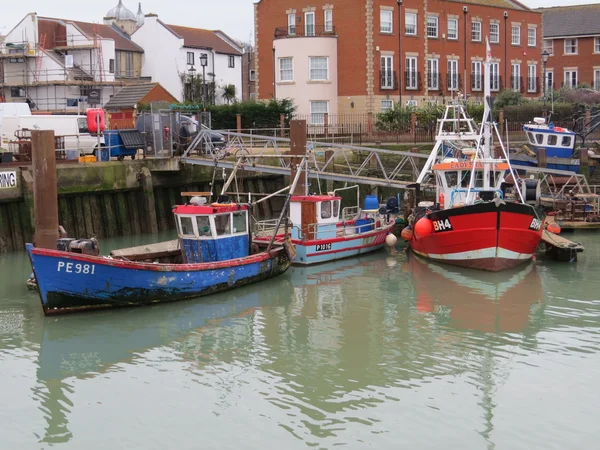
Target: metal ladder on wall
99 56
39 58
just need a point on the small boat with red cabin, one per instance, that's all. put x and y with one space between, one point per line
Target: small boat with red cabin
323 231
474 221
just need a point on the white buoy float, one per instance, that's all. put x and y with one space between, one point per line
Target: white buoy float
391 240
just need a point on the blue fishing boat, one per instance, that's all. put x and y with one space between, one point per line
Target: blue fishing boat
558 142
214 252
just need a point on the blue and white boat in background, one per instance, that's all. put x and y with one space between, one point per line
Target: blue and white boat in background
558 142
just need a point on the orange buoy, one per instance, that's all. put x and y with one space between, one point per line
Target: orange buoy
423 227
407 234
553 227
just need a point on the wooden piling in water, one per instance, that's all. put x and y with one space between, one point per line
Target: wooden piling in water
298 147
45 198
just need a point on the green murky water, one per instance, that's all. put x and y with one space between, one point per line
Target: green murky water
381 352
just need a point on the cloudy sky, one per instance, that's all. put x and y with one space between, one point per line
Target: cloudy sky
235 17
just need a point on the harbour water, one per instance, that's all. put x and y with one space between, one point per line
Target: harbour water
374 352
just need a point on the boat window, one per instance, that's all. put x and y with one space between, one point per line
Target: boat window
465 178
552 139
478 179
186 226
566 141
451 178
82 125
239 222
336 208
325 210
539 138
203 224
531 138
222 224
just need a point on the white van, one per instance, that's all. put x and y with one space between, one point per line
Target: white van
73 128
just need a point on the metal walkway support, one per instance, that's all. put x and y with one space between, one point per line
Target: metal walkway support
326 161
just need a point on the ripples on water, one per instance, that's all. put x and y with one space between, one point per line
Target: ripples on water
380 351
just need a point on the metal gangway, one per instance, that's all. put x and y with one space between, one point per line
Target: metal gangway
325 161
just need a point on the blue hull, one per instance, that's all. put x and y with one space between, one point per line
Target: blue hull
70 282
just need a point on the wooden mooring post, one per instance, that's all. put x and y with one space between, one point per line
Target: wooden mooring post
45 191
298 147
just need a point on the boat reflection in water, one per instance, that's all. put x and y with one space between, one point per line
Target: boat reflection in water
325 345
482 301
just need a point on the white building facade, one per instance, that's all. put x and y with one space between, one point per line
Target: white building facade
173 57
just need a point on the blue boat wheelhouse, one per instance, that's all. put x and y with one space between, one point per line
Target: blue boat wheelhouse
558 142
211 233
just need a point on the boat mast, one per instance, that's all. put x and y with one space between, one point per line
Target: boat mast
487 117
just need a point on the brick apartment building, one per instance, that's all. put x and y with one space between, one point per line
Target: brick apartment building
248 75
339 56
572 38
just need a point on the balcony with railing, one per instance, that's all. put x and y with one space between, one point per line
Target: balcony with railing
434 81
412 80
533 85
388 80
516 84
304 31
453 82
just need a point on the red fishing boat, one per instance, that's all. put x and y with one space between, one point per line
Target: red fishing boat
475 221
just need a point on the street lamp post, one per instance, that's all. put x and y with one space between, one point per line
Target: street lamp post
191 70
204 63
545 56
399 53
465 12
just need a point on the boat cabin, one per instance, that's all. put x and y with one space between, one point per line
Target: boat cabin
558 142
210 233
454 176
314 216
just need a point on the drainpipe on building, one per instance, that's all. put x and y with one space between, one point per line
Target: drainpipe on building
505 48
399 53
274 72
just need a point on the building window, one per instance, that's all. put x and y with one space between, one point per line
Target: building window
453 74
597 80
111 66
494 33
453 29
433 74
549 46
549 81
411 72
531 37
570 46
129 65
515 35
515 77
387 105
252 95
190 58
318 109
410 24
328 20
252 75
476 81
531 78
597 45
385 21
571 78
286 69
292 24
387 72
231 61
494 76
432 26
476 31
318 68
17 92
309 24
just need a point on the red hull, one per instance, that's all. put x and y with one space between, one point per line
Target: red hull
486 236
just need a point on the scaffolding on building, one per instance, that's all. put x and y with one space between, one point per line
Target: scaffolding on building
25 77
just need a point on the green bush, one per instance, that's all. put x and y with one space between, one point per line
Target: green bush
507 97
